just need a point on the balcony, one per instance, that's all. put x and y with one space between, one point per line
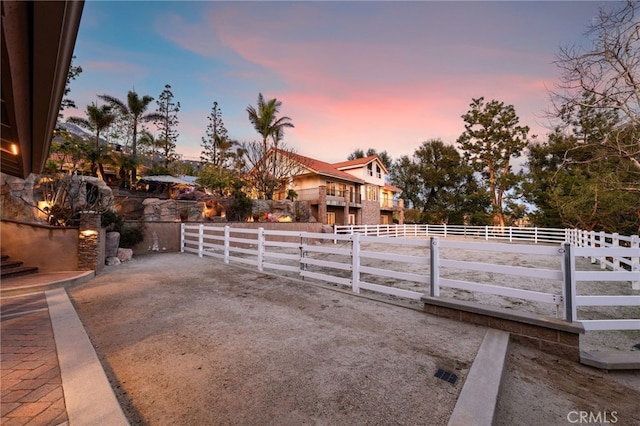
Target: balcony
387 204
313 195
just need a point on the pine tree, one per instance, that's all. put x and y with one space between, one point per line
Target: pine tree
216 143
167 124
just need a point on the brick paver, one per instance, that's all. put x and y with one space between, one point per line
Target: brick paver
31 386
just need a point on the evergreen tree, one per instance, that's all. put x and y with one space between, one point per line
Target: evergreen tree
167 124
216 146
575 182
492 139
386 160
437 182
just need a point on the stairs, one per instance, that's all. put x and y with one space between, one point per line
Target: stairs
14 268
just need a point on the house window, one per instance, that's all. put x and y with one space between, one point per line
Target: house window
331 188
342 190
370 169
372 193
352 219
331 218
378 172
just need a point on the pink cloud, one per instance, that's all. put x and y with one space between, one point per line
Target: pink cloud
355 93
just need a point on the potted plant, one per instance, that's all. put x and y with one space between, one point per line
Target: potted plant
185 212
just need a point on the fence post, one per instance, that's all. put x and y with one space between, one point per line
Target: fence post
445 230
602 243
434 267
535 235
355 263
616 243
486 232
568 282
302 255
260 249
592 243
635 261
182 238
227 231
200 239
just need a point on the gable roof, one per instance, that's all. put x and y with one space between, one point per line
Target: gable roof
320 167
392 188
360 162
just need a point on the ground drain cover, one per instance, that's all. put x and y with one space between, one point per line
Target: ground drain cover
447 376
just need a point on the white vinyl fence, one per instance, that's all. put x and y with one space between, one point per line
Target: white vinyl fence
412 266
509 233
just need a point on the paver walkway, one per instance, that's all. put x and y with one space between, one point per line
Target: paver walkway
31 384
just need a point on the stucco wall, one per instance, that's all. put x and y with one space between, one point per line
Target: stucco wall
158 237
167 234
49 248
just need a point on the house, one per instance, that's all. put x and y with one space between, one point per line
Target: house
352 192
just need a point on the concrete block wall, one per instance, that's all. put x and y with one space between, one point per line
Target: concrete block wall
550 335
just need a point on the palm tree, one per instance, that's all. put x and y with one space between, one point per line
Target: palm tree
99 118
97 156
134 108
266 122
149 141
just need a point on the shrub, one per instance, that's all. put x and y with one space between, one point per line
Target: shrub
131 235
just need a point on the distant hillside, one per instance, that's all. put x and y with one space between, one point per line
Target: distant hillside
78 132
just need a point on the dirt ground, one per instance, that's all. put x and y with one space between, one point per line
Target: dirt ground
186 340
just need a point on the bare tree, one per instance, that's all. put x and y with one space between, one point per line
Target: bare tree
606 76
271 171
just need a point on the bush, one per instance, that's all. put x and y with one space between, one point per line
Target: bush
241 208
131 235
112 221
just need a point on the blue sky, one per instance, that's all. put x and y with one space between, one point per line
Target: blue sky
383 75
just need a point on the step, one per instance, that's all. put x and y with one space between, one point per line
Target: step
611 360
7 264
18 271
477 402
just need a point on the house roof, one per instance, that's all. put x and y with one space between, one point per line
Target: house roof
359 162
321 167
336 170
38 38
392 188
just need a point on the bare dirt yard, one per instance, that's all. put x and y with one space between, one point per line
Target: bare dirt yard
187 340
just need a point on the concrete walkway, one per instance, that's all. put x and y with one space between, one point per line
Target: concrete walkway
51 374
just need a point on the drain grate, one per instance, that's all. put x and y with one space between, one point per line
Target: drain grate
447 376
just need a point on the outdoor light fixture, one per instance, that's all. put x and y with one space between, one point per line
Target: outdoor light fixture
88 232
44 207
9 147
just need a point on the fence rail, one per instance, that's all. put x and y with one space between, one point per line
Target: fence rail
355 260
510 233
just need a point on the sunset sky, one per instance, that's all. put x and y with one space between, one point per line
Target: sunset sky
383 75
